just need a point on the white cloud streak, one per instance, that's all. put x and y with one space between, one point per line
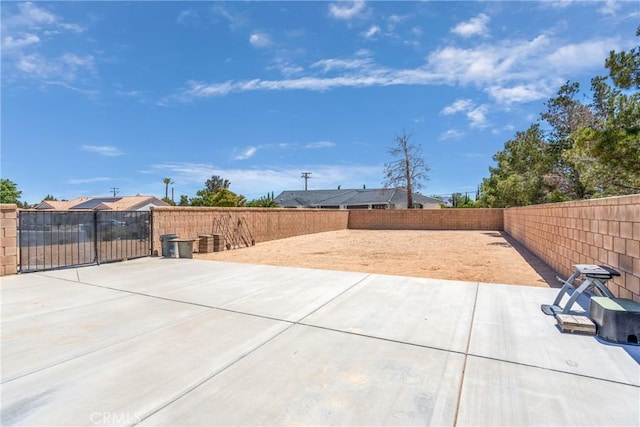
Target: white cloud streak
347 10
89 180
371 32
25 34
103 150
477 114
18 43
247 153
472 27
451 134
253 182
457 106
512 71
320 144
341 64
260 40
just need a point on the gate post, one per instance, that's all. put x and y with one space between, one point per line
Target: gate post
8 251
95 238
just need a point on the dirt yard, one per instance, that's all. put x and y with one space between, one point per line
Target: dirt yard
482 256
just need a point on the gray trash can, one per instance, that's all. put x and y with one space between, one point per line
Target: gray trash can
169 250
185 248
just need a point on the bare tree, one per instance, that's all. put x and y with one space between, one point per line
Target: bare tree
409 170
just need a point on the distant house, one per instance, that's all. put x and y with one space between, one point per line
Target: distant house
124 203
374 198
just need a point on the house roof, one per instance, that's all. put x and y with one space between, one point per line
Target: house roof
124 203
60 205
348 197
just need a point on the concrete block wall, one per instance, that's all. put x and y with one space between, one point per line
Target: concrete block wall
427 219
8 239
265 224
599 231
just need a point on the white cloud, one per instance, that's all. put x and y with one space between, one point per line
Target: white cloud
65 67
17 43
89 180
74 28
25 34
34 18
254 182
472 27
573 57
235 20
475 114
451 134
558 4
103 150
490 62
35 15
285 67
478 116
518 93
457 106
396 19
260 40
246 153
186 17
321 144
341 64
349 11
371 32
510 71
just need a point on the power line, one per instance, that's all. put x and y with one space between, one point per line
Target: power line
115 191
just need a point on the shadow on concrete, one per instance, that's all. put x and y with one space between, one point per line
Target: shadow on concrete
540 267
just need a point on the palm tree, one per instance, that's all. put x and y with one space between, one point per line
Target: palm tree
166 181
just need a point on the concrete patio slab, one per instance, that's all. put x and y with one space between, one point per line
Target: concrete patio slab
429 312
277 292
509 325
124 383
498 393
39 295
310 376
73 332
172 274
143 342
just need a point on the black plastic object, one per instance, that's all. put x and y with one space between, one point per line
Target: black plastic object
617 319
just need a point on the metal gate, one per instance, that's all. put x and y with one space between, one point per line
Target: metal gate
55 239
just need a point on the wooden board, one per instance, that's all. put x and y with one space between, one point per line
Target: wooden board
576 324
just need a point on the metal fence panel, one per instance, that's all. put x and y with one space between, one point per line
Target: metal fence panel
55 239
123 235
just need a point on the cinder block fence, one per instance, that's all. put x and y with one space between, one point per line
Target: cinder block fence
600 231
8 233
265 223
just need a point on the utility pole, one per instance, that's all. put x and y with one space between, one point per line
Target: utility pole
114 190
306 176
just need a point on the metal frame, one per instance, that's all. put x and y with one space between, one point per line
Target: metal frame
596 277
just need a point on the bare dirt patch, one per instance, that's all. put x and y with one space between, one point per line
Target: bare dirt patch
482 256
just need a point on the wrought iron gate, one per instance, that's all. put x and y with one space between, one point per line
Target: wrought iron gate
55 239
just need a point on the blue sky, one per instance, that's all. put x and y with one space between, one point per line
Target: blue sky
98 95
